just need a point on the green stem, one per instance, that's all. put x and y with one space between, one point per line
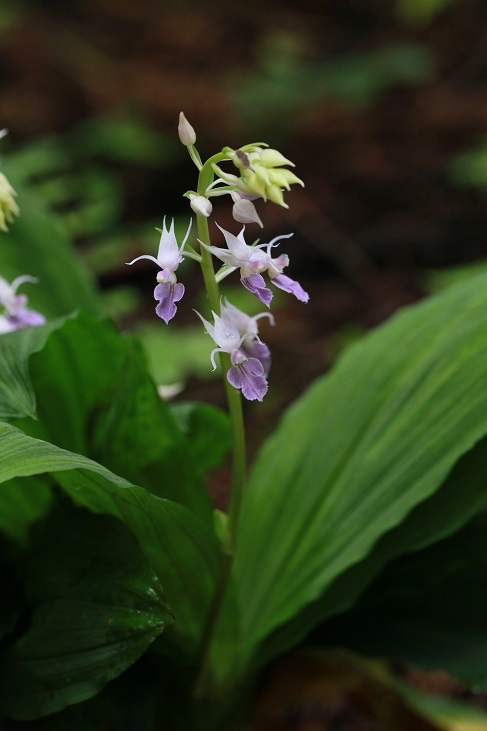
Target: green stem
238 438
233 396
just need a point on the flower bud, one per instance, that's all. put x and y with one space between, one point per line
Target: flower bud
273 158
244 211
187 135
8 206
200 205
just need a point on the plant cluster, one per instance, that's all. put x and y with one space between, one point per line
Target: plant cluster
360 524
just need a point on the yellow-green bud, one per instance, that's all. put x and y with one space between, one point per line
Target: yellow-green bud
8 206
262 173
273 158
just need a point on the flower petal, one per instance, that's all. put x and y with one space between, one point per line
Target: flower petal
256 284
168 294
289 285
244 211
237 245
25 318
248 377
256 349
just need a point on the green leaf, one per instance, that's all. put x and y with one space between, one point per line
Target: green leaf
138 437
362 447
37 244
17 398
96 606
428 609
95 397
182 551
208 433
446 511
24 501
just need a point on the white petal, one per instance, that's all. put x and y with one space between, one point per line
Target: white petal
144 256
237 245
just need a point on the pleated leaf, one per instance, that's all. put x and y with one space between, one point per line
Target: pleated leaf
358 451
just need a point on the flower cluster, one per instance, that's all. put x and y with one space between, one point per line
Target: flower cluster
16 314
262 175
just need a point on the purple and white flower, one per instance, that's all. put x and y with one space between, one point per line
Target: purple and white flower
16 314
253 261
247 373
247 327
169 256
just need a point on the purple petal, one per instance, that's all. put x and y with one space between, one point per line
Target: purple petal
256 284
25 318
168 294
248 377
259 350
289 285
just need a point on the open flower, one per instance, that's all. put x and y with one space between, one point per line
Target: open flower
253 261
16 314
169 256
246 373
248 328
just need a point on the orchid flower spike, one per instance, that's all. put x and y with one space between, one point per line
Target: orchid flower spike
246 373
169 256
16 314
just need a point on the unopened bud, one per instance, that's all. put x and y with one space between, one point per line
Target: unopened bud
244 211
187 135
200 205
273 158
8 206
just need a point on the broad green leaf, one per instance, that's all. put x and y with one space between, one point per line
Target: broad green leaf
429 609
208 433
17 398
37 244
96 606
358 451
23 501
446 511
137 436
182 551
95 397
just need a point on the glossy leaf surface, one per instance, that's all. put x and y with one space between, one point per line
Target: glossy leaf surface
95 607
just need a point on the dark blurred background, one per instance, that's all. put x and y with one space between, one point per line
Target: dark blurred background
382 105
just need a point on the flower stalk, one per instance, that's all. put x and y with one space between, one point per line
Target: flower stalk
233 396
